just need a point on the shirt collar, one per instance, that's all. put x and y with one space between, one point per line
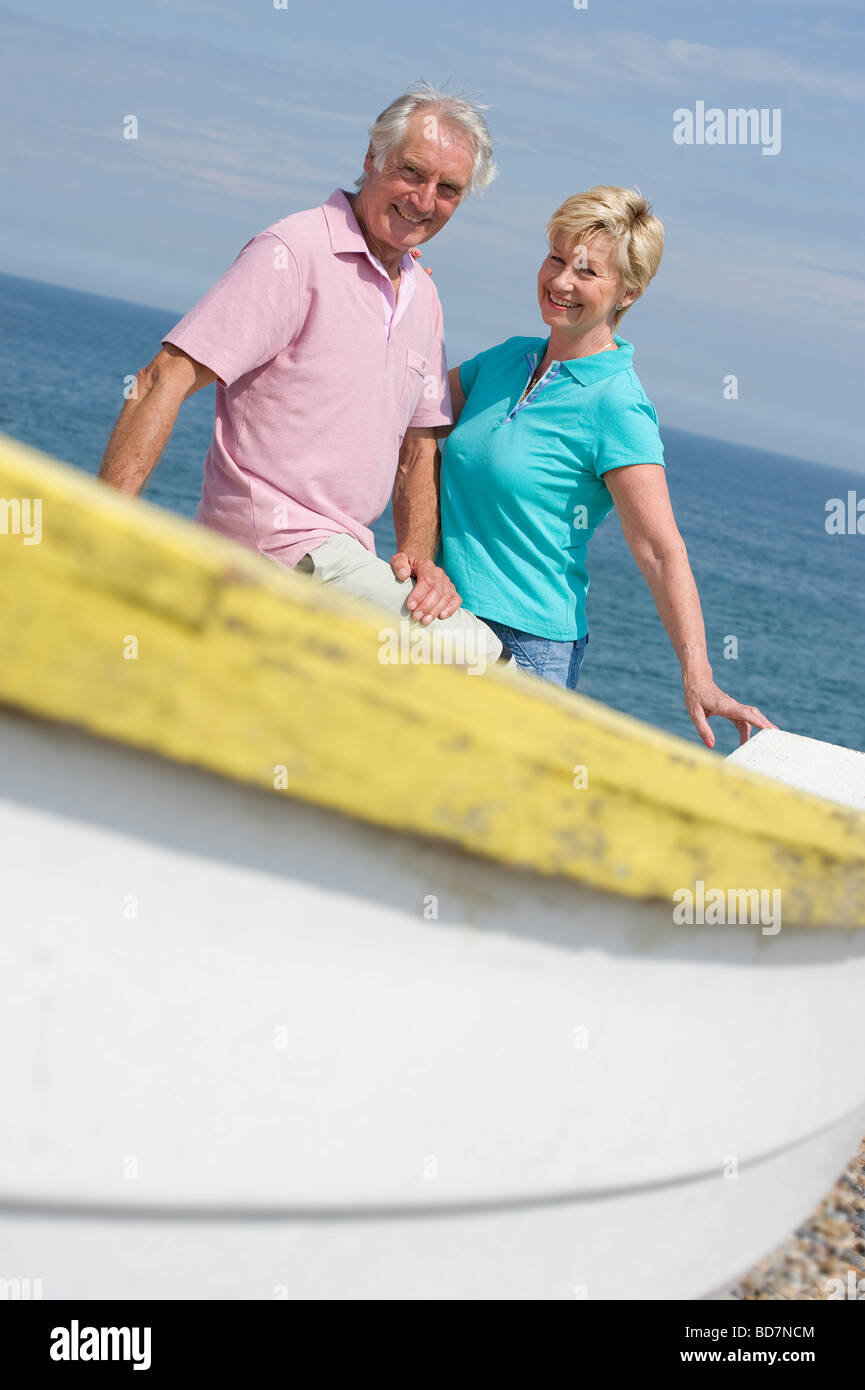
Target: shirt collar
345 233
587 370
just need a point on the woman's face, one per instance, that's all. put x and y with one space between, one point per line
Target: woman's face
579 292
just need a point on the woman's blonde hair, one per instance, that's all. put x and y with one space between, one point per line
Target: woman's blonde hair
623 215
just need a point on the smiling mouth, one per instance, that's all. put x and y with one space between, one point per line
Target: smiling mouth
412 221
561 303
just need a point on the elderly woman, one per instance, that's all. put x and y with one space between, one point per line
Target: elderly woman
549 434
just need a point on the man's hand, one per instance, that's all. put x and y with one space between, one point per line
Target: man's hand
703 697
433 595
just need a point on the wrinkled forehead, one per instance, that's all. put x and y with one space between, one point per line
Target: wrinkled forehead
591 247
436 147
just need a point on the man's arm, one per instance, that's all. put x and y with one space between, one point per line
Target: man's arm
147 418
415 494
458 399
416 521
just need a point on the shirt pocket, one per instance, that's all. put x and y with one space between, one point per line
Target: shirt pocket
412 387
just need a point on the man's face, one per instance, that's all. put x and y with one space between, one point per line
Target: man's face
420 186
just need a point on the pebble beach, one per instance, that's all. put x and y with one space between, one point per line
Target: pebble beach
823 1249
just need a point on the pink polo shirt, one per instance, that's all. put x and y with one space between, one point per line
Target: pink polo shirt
319 376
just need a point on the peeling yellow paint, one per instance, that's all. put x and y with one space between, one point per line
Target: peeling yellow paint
243 669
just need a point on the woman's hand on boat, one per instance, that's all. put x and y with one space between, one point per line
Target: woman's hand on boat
703 698
433 595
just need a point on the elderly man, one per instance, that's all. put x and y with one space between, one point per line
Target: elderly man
326 345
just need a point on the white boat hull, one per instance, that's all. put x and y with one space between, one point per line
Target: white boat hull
662 1243
257 1049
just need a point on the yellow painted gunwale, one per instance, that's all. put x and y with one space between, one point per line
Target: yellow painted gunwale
245 669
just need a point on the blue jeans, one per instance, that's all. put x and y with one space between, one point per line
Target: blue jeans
558 662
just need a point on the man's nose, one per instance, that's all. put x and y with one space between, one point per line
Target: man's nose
425 197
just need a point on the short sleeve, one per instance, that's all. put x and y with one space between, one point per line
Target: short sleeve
250 314
628 435
434 405
497 357
469 371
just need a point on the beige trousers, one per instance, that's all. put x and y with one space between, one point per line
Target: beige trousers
460 640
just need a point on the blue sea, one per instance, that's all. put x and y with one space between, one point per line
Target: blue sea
754 524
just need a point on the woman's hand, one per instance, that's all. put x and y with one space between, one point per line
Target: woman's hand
703 697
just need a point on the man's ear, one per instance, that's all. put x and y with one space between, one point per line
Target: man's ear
368 164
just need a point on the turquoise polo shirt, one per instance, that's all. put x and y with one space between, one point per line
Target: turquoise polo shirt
522 485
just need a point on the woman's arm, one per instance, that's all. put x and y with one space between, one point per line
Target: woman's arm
649 527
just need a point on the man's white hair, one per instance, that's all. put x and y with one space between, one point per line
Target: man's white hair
464 118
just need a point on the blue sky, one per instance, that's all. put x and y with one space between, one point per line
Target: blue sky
247 113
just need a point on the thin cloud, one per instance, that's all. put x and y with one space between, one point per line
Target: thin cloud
640 58
844 271
295 109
